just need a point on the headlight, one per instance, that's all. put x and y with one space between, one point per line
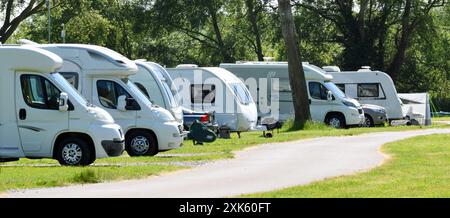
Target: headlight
349 104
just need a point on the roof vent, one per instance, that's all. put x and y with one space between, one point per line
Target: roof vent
331 69
186 66
365 69
27 42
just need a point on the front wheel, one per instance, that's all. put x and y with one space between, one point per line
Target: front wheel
368 121
74 152
141 143
336 121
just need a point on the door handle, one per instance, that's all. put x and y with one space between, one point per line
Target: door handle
22 114
310 101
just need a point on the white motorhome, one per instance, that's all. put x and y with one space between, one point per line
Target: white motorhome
154 81
369 87
216 90
102 76
327 102
43 116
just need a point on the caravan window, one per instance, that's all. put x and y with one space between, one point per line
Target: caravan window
242 93
201 94
39 92
369 90
317 91
71 77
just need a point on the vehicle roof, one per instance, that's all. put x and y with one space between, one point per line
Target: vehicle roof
104 60
361 76
218 72
313 72
27 58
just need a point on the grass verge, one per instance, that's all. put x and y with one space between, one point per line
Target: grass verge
419 167
28 173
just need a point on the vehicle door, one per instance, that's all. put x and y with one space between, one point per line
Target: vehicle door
106 95
319 104
38 115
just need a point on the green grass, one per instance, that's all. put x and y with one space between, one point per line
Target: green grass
27 173
419 167
40 177
441 118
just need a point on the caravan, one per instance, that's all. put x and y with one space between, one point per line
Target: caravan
43 116
213 89
153 80
369 87
102 76
327 102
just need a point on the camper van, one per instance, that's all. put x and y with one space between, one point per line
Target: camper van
43 116
102 76
153 80
327 102
369 87
213 89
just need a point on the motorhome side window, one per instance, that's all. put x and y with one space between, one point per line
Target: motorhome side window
109 92
341 87
203 94
242 93
143 89
39 92
317 91
369 90
71 77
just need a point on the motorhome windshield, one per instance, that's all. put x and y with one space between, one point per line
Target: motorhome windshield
137 92
335 90
69 89
242 93
168 91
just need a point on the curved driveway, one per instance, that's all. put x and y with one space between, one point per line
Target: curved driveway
263 168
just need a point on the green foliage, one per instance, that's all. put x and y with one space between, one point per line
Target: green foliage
207 33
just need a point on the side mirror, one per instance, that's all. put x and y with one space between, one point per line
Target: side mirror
63 102
329 96
122 103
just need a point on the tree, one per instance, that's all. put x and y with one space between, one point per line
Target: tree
296 73
11 22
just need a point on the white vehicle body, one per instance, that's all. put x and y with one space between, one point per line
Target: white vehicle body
155 83
369 87
416 107
102 77
213 89
35 120
318 83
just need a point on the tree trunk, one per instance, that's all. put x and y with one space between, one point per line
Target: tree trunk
397 61
9 26
296 73
223 50
253 19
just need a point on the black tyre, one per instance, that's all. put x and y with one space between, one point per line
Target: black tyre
141 143
74 151
336 121
368 121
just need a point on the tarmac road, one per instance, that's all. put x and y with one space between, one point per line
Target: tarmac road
263 168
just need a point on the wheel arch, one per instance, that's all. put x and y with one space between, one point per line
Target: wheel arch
87 138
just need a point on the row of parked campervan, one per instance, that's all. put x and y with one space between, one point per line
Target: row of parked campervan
77 103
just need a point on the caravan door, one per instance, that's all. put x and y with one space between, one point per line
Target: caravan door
38 115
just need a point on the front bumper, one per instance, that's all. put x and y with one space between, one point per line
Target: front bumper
170 136
354 117
113 148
